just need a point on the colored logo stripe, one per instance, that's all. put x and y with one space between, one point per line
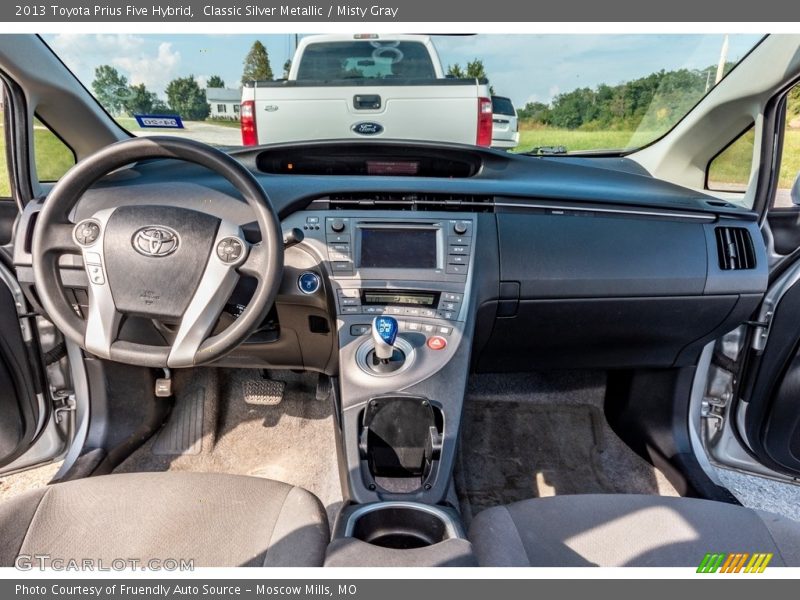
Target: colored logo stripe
714 562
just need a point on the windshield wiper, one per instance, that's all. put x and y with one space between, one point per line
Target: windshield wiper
545 151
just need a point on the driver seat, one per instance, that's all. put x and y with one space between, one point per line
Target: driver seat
213 519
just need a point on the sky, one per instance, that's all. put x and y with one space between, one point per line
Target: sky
524 67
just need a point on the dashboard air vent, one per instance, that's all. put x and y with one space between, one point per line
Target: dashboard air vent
406 201
735 249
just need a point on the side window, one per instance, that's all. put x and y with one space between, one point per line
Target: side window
790 156
53 157
729 171
5 181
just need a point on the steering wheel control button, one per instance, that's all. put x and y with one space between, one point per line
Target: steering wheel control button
230 250
96 274
436 343
87 232
309 282
92 258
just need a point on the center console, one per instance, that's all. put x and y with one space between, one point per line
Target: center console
400 284
401 287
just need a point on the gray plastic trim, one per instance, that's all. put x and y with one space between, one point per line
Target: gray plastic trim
216 286
453 528
103 318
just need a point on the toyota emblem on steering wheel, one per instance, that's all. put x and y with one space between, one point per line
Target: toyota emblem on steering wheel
155 241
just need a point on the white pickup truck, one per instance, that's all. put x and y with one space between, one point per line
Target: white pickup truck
366 86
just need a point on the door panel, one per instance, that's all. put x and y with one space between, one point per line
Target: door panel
771 384
19 405
785 227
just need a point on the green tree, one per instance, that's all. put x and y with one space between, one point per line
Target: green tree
256 64
139 100
474 70
215 81
455 71
287 66
187 99
110 88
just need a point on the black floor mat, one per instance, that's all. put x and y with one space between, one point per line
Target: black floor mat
544 443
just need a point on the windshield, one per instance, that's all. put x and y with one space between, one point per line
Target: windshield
576 92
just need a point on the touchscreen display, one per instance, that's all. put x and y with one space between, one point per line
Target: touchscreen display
398 248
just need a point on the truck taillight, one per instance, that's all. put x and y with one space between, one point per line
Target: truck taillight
484 122
247 117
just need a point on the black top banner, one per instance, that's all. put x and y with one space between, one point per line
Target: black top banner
459 11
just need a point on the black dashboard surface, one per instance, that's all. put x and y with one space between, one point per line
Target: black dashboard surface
588 262
620 181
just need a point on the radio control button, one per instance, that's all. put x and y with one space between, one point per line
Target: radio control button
461 227
341 248
350 301
450 297
446 314
459 249
457 259
337 225
340 266
395 310
340 238
456 269
427 312
413 312
437 343
349 292
351 310
374 310
458 240
452 306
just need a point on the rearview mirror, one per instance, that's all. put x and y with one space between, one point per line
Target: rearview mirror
796 191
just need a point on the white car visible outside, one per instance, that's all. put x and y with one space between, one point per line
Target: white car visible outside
505 125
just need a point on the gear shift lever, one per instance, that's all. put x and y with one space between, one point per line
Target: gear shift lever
384 333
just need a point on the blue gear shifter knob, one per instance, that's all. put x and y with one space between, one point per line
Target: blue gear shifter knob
384 333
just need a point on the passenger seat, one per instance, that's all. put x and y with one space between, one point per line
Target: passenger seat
615 530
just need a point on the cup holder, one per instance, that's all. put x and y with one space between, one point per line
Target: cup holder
402 525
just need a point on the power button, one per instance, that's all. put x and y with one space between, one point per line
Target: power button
437 342
308 282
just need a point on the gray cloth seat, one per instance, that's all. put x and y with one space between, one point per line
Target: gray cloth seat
212 519
627 530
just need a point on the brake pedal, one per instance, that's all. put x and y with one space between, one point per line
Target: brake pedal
263 392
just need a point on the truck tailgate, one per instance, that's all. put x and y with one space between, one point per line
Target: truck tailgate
432 112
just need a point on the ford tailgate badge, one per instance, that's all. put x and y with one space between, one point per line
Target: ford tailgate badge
367 128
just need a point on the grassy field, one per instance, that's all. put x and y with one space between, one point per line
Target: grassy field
53 159
732 166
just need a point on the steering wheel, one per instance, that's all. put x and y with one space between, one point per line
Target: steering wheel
160 262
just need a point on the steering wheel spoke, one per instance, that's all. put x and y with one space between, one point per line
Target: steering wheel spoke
102 322
256 263
219 279
60 238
